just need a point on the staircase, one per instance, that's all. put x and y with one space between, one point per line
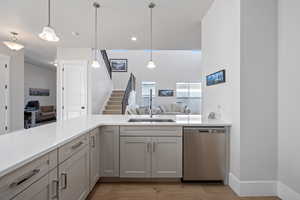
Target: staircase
114 104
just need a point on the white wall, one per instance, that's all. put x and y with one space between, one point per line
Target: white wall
241 36
99 83
172 67
16 87
40 77
289 98
259 90
221 50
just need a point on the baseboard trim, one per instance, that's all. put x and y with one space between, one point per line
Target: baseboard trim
252 188
286 193
234 183
138 180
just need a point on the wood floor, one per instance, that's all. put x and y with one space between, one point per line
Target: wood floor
165 191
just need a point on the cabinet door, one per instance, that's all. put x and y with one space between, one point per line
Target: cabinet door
94 157
44 189
135 157
74 176
167 157
109 151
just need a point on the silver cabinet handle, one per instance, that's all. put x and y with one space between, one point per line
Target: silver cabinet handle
55 185
24 178
154 147
75 146
64 177
93 141
148 147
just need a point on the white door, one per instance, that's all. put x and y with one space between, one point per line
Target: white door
167 157
74 176
44 189
74 89
135 157
109 151
94 157
4 94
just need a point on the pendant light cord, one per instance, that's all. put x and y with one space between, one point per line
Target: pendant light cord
49 15
96 31
151 6
96 5
151 33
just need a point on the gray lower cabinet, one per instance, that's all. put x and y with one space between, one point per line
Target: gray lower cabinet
150 157
44 189
74 176
167 157
135 157
94 157
109 151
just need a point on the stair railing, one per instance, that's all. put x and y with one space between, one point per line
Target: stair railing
131 86
107 63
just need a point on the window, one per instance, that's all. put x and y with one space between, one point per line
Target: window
146 87
190 94
188 90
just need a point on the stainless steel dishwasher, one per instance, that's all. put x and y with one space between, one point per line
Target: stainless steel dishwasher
204 154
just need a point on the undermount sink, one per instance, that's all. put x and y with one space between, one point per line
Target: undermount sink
150 120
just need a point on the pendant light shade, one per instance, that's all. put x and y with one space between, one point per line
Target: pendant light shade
48 32
95 62
12 44
151 64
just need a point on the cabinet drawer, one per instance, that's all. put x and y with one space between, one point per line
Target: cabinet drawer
149 131
69 149
45 188
19 180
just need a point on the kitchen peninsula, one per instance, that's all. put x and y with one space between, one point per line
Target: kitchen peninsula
68 157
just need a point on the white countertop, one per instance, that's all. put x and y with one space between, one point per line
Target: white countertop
20 147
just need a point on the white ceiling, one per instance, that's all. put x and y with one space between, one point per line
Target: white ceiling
176 24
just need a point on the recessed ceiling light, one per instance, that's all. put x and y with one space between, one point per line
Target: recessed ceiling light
76 34
133 38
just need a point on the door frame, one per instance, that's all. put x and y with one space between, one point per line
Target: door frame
6 60
60 85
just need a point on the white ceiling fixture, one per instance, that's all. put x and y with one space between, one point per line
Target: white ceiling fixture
12 44
151 64
133 38
95 62
48 33
179 27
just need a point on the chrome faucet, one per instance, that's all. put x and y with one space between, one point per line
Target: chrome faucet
150 104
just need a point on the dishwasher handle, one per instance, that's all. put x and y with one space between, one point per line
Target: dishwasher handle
204 130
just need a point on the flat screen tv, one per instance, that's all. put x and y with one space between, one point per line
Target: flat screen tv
216 78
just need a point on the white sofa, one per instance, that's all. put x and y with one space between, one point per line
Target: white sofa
167 109
174 109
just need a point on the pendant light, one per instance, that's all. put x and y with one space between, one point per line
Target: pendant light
48 33
12 42
95 62
151 64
